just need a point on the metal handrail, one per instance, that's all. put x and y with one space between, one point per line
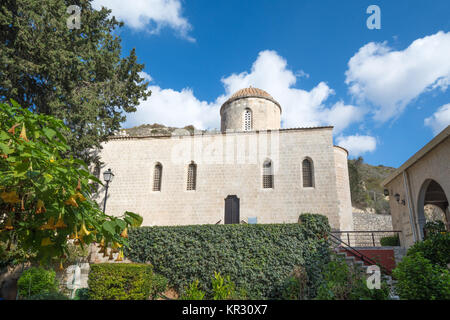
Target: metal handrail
361 256
366 232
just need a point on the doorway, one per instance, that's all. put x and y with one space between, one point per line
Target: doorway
232 209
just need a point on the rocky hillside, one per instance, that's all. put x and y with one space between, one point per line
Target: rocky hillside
149 129
365 185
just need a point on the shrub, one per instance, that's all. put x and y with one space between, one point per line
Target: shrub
258 258
340 282
193 292
296 285
223 288
432 228
436 249
82 294
159 285
123 281
49 296
419 279
35 281
392 241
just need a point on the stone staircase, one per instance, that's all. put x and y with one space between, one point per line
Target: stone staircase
357 264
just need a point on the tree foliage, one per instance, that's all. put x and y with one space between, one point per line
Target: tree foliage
44 197
76 75
357 189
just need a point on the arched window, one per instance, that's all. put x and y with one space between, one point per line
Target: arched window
157 175
192 176
267 175
247 120
308 174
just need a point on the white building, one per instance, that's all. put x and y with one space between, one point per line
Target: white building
251 171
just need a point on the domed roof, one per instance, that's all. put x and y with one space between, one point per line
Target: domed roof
251 92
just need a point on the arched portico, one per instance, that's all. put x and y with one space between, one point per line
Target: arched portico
431 193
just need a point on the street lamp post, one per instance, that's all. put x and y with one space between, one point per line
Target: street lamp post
108 177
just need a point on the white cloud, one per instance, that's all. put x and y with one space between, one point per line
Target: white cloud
174 108
146 76
391 79
440 119
301 108
152 15
357 145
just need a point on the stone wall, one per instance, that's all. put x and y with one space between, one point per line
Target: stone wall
266 115
364 221
434 165
227 164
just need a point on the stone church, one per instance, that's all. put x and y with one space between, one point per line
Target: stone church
252 171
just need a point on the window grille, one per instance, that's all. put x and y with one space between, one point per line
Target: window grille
192 176
307 173
157 174
247 120
267 175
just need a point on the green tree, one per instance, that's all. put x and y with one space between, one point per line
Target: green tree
419 279
356 183
45 197
76 75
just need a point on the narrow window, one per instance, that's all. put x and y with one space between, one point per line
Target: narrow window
247 120
267 175
192 176
308 177
157 174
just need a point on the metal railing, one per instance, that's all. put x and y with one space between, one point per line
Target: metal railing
364 238
354 252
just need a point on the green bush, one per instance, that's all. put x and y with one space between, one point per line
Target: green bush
340 282
436 249
432 228
159 285
35 281
418 279
48 296
392 241
120 281
296 285
82 294
223 288
192 292
258 258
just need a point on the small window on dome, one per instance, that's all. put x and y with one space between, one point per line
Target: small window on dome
247 120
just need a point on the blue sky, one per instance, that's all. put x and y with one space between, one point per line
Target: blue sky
385 91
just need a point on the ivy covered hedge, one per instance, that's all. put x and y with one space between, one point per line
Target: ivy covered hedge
120 281
258 258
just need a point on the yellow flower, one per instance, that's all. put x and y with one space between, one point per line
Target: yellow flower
46 242
23 133
8 225
124 233
72 202
80 196
13 128
120 255
10 197
49 224
52 159
40 207
60 223
84 231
